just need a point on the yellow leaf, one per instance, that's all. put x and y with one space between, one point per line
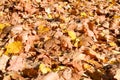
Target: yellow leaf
72 35
94 47
42 29
95 63
87 66
39 16
62 26
76 42
44 69
1 13
13 48
112 61
116 16
115 52
50 16
2 26
83 14
59 68
113 44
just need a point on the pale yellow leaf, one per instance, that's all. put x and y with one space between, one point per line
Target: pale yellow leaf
83 14
72 35
113 44
76 42
44 69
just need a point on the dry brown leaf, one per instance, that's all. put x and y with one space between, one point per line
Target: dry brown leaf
117 75
17 29
15 75
51 76
66 42
67 74
3 62
16 63
7 78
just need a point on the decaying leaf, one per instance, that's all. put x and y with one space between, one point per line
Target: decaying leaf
30 72
59 39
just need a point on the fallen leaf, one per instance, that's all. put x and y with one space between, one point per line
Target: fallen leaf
117 75
17 29
2 26
17 63
51 76
95 63
44 69
30 72
72 35
67 74
13 48
58 68
115 52
15 76
76 42
83 14
113 44
3 62
88 67
42 29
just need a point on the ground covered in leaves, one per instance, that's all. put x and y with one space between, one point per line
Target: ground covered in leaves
59 39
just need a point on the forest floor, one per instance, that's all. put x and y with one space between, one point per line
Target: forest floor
59 39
